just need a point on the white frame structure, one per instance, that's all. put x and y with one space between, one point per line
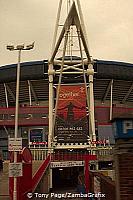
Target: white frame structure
74 18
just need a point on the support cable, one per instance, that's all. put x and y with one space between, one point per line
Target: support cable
29 88
111 100
60 77
6 95
7 105
83 68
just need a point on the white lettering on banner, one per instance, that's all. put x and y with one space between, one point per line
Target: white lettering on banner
67 164
61 128
15 144
69 94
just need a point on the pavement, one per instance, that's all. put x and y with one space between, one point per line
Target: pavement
4 179
4 186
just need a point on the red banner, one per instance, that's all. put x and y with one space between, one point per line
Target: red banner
71 120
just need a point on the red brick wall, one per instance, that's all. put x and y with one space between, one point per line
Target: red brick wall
126 176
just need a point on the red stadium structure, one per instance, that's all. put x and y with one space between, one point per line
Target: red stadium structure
34 118
66 105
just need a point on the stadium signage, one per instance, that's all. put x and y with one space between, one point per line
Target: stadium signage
67 164
100 142
15 144
15 169
69 94
38 143
71 121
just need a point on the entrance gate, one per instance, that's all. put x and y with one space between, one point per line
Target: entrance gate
72 162
73 42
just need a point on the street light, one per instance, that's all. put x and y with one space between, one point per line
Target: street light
18 48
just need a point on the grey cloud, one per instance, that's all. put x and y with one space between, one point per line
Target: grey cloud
108 23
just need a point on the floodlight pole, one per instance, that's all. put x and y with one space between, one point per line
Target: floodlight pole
19 48
17 93
16 119
50 135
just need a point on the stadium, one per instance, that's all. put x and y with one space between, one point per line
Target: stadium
66 122
33 99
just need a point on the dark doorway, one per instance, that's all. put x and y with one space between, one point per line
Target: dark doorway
105 165
66 177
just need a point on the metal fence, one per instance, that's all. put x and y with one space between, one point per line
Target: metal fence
42 153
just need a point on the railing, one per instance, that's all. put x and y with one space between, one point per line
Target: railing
40 172
105 184
42 153
39 154
67 156
104 151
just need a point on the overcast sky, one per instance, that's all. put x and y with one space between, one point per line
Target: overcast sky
109 25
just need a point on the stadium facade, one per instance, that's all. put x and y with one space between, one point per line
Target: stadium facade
113 94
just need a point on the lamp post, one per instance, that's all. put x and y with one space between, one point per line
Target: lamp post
18 48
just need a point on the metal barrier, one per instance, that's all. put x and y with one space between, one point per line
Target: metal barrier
42 153
40 172
104 152
39 154
61 156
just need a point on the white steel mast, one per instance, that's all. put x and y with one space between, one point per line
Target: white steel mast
72 28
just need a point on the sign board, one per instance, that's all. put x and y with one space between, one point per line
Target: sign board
67 164
71 120
105 141
15 144
36 135
38 143
15 169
